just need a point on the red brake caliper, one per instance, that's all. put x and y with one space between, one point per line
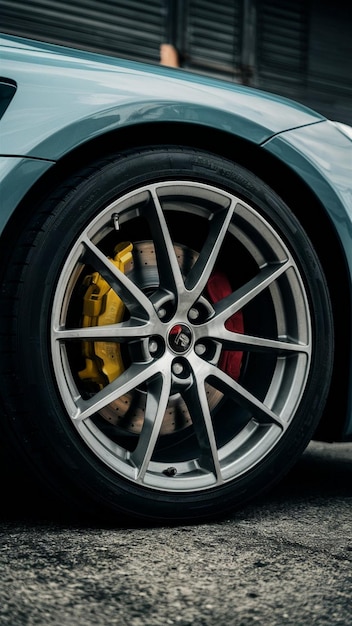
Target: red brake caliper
218 287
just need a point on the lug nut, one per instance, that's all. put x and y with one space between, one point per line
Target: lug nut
161 313
193 314
153 346
200 349
177 368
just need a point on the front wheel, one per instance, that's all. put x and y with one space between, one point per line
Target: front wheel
172 329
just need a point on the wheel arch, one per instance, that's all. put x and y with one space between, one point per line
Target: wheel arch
278 175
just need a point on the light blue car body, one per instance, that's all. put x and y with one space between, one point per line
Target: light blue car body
66 98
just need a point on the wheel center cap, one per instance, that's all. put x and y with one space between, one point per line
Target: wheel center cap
180 338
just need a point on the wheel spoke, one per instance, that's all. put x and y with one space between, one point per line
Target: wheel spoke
200 273
135 375
158 391
120 332
260 412
245 294
238 341
134 299
170 277
196 400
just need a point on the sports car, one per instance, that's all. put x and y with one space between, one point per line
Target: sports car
176 281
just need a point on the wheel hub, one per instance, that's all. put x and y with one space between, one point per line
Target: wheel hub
180 338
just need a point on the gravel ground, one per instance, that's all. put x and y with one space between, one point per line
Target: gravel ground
285 560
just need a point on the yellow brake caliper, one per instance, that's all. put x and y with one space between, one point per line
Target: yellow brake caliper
101 305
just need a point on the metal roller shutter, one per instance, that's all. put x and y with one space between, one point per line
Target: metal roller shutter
212 37
329 75
282 45
304 51
132 29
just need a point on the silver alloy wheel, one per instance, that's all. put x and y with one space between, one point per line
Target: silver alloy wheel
172 337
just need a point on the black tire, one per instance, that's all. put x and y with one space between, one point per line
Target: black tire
200 384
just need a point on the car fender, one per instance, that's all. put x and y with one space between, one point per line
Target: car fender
322 156
74 96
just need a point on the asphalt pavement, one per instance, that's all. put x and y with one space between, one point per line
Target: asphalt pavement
285 560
